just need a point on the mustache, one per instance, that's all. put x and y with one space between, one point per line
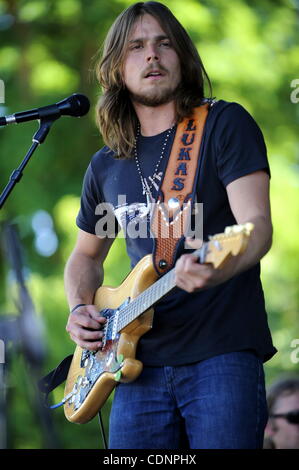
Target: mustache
155 68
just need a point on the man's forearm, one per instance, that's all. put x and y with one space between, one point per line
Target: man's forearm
82 276
192 276
258 245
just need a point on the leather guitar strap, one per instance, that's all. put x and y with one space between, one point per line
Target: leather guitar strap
171 216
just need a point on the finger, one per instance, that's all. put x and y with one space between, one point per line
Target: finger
94 313
181 276
190 275
90 345
183 283
84 320
185 263
91 311
190 265
193 243
84 334
98 318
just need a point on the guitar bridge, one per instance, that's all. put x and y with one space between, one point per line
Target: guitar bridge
86 354
110 328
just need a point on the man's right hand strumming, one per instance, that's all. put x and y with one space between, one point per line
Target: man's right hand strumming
85 327
83 275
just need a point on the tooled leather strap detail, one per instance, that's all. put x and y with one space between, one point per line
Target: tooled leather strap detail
172 213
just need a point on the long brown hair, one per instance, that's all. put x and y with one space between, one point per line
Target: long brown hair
116 117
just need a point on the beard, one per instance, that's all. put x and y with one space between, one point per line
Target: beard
155 97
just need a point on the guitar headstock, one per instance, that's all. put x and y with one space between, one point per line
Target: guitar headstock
232 242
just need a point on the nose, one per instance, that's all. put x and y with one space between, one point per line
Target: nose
152 54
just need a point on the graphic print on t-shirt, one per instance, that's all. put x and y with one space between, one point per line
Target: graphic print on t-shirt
135 218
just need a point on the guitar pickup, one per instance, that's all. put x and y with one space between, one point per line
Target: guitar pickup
85 356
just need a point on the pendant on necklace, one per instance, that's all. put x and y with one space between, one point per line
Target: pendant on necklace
148 194
149 199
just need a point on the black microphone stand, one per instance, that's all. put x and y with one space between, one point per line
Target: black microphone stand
38 138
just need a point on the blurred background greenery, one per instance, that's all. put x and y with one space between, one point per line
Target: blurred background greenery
250 49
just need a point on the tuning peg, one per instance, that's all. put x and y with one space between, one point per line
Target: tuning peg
249 226
242 228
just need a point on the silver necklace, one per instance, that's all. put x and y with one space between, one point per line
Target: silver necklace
146 188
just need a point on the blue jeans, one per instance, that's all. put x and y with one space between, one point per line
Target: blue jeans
218 403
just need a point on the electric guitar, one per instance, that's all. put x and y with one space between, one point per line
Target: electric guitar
129 312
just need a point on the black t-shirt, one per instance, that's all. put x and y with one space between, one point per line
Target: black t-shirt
229 317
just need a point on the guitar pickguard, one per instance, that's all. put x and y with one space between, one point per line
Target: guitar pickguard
95 363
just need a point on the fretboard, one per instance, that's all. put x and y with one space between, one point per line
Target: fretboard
146 299
152 295
232 242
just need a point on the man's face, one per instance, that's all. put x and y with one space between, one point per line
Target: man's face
284 435
152 70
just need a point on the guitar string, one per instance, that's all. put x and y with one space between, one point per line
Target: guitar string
165 283
145 300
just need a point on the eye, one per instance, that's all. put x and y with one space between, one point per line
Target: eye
135 46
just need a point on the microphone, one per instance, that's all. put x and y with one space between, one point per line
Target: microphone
75 105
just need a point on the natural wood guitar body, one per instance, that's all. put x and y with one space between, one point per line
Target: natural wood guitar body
123 346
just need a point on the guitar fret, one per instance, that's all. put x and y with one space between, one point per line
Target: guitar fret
146 299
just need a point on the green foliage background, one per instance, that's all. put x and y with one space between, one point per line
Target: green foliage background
47 52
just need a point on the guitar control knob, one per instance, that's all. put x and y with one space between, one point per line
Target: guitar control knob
117 376
120 359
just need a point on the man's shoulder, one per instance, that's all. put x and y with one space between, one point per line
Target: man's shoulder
102 157
230 114
227 108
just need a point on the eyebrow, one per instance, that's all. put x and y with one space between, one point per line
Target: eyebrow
160 37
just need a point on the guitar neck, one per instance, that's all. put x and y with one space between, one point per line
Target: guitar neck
152 294
216 251
147 299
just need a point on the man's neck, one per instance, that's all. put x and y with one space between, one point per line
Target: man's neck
154 120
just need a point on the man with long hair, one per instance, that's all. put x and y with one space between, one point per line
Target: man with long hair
202 383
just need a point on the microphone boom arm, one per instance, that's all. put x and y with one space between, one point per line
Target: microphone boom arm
38 138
